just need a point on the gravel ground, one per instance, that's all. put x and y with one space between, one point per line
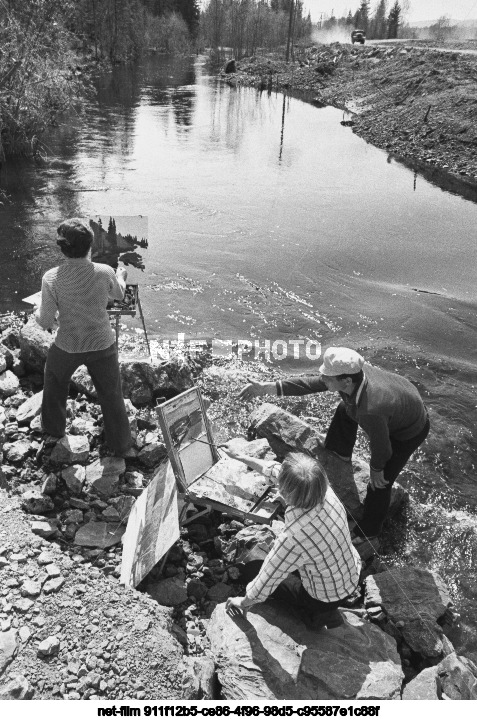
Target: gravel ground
81 635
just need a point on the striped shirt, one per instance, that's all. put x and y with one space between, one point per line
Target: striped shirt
76 294
317 543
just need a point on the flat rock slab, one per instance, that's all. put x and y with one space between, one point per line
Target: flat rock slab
70 449
98 534
102 476
30 409
272 654
45 529
8 648
415 597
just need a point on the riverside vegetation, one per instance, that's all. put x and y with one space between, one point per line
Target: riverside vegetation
70 630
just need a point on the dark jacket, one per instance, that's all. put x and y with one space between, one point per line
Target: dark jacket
385 406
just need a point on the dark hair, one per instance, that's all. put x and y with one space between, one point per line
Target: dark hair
75 239
357 378
302 479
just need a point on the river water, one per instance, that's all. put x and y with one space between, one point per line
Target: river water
269 220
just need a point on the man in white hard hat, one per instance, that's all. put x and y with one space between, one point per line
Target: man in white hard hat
385 405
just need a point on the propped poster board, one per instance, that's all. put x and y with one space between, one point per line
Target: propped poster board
153 527
206 476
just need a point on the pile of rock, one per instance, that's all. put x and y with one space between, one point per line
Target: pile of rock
61 607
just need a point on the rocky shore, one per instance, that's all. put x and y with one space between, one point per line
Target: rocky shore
417 103
69 630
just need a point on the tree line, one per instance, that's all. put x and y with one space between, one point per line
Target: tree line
385 22
247 25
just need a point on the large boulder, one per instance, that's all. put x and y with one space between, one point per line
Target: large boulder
286 432
99 534
272 654
423 687
34 345
455 678
144 380
413 599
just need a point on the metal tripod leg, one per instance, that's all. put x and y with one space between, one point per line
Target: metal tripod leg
143 325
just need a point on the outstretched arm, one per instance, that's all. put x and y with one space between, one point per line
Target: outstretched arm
256 388
266 468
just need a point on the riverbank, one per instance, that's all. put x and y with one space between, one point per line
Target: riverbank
417 103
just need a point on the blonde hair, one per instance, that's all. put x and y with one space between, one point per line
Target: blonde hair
302 481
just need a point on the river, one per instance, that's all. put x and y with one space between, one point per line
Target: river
268 220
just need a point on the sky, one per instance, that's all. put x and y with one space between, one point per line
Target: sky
419 9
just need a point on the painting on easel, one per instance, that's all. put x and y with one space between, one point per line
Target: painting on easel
196 473
204 474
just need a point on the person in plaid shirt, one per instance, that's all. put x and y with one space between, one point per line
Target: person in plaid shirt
315 542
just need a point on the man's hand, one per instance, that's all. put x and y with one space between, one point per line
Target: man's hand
122 274
376 479
256 388
237 606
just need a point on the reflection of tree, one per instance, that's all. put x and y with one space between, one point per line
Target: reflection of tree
183 106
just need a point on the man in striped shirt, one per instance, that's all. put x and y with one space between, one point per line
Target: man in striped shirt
75 295
315 542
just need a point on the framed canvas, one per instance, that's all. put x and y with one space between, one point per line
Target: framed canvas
205 474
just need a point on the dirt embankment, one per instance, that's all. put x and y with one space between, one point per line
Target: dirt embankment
415 102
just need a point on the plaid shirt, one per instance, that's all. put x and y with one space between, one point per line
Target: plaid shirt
317 543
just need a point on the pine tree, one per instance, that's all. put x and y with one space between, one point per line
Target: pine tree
394 20
362 16
378 23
